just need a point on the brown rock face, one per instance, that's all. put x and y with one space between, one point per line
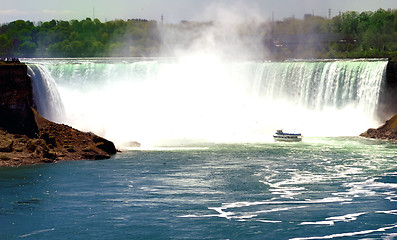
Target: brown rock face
388 101
16 99
27 138
387 131
68 143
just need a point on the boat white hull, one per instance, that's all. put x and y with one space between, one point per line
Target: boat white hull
287 139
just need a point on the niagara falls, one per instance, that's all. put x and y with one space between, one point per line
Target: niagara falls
198 119
206 100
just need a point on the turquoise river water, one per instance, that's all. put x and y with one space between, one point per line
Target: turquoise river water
321 188
208 167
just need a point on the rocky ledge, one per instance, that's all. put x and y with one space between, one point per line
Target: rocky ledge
54 142
27 138
387 131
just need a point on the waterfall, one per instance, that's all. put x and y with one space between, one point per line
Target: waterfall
162 101
320 85
45 93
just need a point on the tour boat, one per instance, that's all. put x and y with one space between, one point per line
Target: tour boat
287 137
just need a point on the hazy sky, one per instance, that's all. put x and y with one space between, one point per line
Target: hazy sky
177 10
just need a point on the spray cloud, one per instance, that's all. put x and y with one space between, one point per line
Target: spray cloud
235 32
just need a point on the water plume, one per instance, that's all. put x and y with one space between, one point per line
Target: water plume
214 88
228 34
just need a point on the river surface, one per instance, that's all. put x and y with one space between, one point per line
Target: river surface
321 188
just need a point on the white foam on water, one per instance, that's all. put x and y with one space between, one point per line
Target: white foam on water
280 209
332 220
248 213
156 148
347 234
268 221
370 187
390 236
36 232
393 212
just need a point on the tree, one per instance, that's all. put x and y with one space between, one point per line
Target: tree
27 49
5 45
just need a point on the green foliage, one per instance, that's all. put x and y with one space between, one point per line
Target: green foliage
351 34
27 48
86 38
5 45
348 35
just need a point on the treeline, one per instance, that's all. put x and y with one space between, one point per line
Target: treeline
348 35
86 38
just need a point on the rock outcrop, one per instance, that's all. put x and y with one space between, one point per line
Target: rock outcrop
28 138
387 131
388 102
387 106
16 100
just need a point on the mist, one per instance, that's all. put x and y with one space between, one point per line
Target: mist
217 84
174 102
235 33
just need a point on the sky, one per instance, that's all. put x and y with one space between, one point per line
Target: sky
175 11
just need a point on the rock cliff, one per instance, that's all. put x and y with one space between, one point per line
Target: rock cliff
16 100
388 101
28 138
387 106
387 131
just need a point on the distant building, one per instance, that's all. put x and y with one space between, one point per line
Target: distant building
307 15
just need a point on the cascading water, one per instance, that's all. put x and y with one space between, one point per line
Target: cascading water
163 101
45 93
318 85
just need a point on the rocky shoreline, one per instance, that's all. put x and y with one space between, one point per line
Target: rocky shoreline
55 142
387 131
26 138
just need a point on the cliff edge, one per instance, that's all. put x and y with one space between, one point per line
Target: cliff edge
388 101
28 138
16 99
